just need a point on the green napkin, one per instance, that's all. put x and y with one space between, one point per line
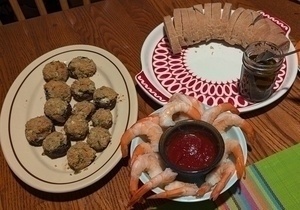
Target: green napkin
272 183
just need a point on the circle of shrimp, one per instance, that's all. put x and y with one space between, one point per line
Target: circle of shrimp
145 157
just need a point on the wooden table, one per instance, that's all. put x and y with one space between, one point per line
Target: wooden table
120 27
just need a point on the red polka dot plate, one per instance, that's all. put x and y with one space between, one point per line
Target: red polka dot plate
209 72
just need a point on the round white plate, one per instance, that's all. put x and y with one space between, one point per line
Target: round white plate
233 133
25 100
209 72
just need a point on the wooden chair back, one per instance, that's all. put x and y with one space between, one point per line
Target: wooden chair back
40 6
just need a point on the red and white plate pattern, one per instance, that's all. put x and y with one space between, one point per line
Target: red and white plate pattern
209 72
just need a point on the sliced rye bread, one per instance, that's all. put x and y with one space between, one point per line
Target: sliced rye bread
247 31
172 35
203 23
202 32
225 16
178 26
246 19
193 25
261 30
280 40
216 20
186 26
207 21
252 32
233 18
274 28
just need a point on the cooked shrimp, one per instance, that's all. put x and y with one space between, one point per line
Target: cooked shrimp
179 104
189 100
220 176
147 126
212 113
217 179
142 148
227 119
149 163
160 179
232 146
176 189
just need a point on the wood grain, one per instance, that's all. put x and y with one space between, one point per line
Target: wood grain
121 26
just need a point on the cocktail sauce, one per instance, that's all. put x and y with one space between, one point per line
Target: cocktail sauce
258 77
191 151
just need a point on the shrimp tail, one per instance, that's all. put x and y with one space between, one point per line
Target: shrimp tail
239 161
229 107
168 194
225 176
164 177
194 113
204 188
133 185
141 127
140 149
248 130
126 138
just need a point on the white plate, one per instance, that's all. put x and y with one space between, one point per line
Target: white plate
25 100
234 132
209 72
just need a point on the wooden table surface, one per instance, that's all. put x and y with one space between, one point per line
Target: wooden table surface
120 27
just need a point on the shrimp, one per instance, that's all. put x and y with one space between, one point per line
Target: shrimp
189 100
212 113
149 162
140 149
232 146
179 103
220 176
227 119
217 179
176 189
146 126
160 179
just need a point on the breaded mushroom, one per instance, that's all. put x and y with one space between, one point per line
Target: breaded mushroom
80 155
81 67
76 127
56 145
98 138
103 118
37 129
84 108
105 97
58 89
83 89
57 110
55 70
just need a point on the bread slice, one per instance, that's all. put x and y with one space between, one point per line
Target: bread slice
246 31
178 26
199 13
225 16
193 25
171 35
187 27
233 19
280 40
261 30
274 28
246 19
207 19
216 20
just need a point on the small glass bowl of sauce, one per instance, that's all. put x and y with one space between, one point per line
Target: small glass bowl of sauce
257 78
192 148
